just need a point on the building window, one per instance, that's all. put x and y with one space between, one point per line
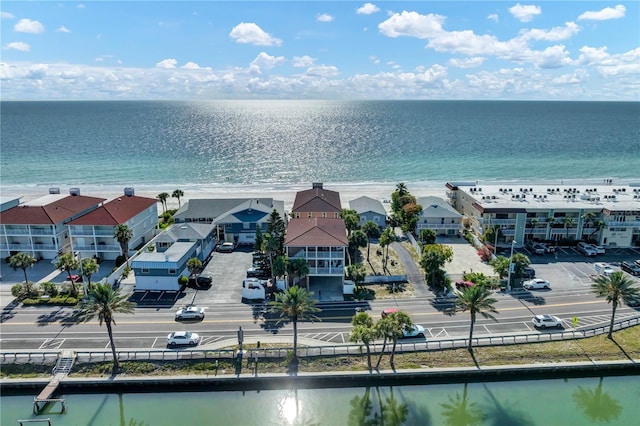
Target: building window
324 215
376 219
172 271
309 214
145 270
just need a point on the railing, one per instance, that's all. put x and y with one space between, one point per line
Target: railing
10 231
333 350
43 357
428 225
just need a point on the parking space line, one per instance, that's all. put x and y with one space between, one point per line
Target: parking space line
485 327
153 345
443 331
52 343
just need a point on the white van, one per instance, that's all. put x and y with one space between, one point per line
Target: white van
603 268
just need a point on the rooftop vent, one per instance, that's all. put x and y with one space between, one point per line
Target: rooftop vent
74 191
316 185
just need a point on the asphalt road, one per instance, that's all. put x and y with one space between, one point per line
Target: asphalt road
28 329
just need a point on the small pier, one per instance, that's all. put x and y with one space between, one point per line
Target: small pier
60 371
23 422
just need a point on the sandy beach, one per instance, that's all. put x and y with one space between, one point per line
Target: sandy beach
285 193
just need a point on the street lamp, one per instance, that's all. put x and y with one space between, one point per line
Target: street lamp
513 242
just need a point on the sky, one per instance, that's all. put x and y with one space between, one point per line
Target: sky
203 50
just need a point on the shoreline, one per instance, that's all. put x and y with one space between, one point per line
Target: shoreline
285 192
423 376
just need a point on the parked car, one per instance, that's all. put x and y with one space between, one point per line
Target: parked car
226 247
414 331
631 268
548 248
536 283
528 272
190 312
388 311
201 281
603 268
544 321
536 248
183 338
586 249
254 272
75 278
598 249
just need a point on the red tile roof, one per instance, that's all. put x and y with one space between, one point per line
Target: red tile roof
49 214
316 232
116 211
317 200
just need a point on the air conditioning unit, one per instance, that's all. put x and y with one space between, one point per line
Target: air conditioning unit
129 191
54 190
74 191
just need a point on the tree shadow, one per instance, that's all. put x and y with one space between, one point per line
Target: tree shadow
499 414
58 315
596 404
8 311
273 322
473 357
622 349
526 295
444 305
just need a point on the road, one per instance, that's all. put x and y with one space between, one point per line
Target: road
29 329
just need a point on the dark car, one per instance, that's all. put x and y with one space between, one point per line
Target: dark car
631 268
528 272
201 281
75 278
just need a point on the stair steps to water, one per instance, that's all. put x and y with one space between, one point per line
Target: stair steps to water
60 371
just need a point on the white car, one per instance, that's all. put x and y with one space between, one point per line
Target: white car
183 338
190 312
413 331
586 249
598 249
226 247
536 283
544 321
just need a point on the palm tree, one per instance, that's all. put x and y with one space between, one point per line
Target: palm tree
23 261
89 266
598 225
534 222
357 240
194 265
568 223
364 332
371 230
103 301
597 405
351 220
298 268
391 328
177 194
588 218
617 289
295 304
476 300
386 239
163 196
67 262
123 234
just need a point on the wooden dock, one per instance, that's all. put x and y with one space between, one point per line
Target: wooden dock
62 368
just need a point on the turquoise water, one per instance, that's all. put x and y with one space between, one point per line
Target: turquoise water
576 401
272 143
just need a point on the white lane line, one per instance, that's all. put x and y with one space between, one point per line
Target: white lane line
153 345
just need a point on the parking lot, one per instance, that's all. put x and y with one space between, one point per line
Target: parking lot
571 270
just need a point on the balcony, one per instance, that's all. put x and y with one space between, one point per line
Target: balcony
628 224
98 248
439 225
491 222
27 247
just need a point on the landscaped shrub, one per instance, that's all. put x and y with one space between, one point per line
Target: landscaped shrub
62 300
21 291
50 288
485 253
120 260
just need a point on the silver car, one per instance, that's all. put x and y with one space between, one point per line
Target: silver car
183 338
544 321
190 312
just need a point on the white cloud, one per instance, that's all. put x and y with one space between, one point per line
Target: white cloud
525 13
374 59
412 24
264 62
473 62
28 26
63 29
551 57
167 63
604 14
81 6
367 9
191 66
325 18
577 77
324 71
493 17
6 15
554 34
250 33
17 45
302 61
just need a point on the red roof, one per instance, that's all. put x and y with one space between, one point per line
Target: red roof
316 231
49 214
116 211
317 200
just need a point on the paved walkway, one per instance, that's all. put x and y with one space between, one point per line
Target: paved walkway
414 275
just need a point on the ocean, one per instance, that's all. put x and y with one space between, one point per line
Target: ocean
280 143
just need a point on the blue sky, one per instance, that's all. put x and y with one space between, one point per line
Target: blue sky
538 50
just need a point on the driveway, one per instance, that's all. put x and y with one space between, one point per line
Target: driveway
465 259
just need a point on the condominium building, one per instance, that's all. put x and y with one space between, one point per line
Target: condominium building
606 213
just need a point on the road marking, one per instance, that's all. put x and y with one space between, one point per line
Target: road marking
52 343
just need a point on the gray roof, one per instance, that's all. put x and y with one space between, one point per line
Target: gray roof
437 207
207 208
185 231
172 254
367 204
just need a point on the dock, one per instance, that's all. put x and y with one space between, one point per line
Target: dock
60 371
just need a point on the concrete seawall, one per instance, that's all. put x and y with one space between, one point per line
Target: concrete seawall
327 380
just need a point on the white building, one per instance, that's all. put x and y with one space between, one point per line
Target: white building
607 213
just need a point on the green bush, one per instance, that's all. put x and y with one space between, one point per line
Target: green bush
21 291
61 300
